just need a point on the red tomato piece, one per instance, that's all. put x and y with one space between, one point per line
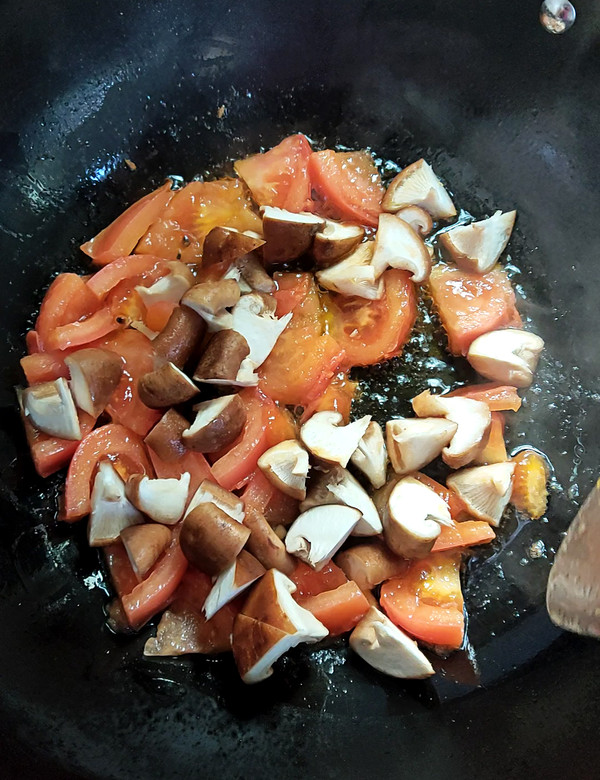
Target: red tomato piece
122 575
80 334
337 397
122 235
472 304
495 448
43 367
260 494
67 300
157 315
500 398
33 342
292 290
156 592
280 426
233 469
279 177
339 610
104 442
427 602
347 185
466 534
310 582
193 212
458 508
50 454
130 267
372 331
193 462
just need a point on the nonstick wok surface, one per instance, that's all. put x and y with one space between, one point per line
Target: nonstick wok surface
509 116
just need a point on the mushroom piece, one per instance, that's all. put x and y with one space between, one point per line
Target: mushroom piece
417 185
317 534
473 419
222 358
224 244
354 275
144 545
179 338
111 511
218 423
371 455
419 219
165 386
287 235
95 374
271 623
338 486
162 500
477 247
49 406
371 563
509 356
265 545
398 246
326 438
286 466
253 273
212 299
170 288
335 240
232 581
166 438
413 518
210 539
211 493
388 649
257 323
485 490
413 443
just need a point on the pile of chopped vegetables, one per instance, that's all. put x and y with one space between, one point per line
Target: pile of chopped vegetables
196 388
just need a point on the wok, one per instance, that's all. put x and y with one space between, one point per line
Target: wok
509 116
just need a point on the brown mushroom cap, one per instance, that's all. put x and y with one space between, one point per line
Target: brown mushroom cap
287 235
335 240
95 374
253 273
371 563
210 539
210 492
165 386
218 423
212 297
144 545
265 545
222 357
178 339
223 244
166 436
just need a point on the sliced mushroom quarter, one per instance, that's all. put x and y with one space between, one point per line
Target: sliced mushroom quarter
397 245
212 299
218 423
232 581
370 563
317 534
210 493
144 545
166 438
509 356
226 245
254 274
254 318
166 386
210 539
371 457
486 490
162 500
222 358
355 274
49 406
325 437
419 219
417 185
111 511
266 545
95 374
286 466
388 649
413 443
170 288
287 234
477 247
335 240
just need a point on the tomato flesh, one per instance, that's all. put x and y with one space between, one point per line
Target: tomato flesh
466 534
67 300
310 582
500 398
339 610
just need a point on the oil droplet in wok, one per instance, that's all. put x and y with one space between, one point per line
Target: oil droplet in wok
557 16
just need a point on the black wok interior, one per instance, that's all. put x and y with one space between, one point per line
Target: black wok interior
509 116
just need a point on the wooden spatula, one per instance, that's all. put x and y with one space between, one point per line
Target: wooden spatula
573 593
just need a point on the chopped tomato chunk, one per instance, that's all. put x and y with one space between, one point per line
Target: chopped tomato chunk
136 267
339 610
500 398
465 534
67 300
43 367
337 397
310 582
81 333
49 453
529 493
262 496
495 448
471 304
194 463
122 575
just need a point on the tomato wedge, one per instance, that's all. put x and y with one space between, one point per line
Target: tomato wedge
50 454
427 601
78 334
466 534
347 185
43 367
121 236
339 610
500 398
279 177
193 211
259 494
67 300
154 593
337 397
104 280
122 575
310 582
106 441
372 331
471 304
298 293
495 448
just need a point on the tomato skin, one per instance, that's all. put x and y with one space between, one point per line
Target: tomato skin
49 453
122 575
470 304
106 441
279 177
126 267
67 300
348 186
43 367
33 342
192 213
370 332
427 602
500 398
262 496
80 334
120 237
339 610
465 534
294 290
310 582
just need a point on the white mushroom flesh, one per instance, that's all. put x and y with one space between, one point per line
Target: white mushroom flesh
210 493
228 586
286 466
111 511
486 490
413 443
477 247
371 455
417 185
259 326
168 289
509 356
317 534
163 500
325 437
50 408
397 245
354 275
